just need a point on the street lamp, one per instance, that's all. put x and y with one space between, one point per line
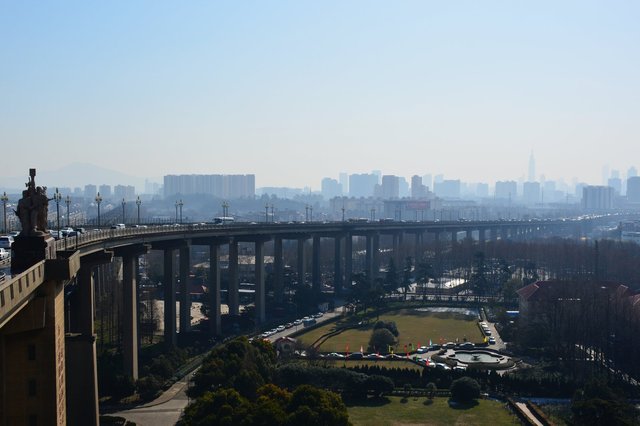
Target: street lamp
225 209
373 214
67 201
306 212
123 204
138 202
273 217
180 204
4 199
98 201
343 209
266 212
311 213
57 197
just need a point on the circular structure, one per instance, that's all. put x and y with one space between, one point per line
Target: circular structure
476 357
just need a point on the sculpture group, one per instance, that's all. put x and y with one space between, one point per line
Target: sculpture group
33 207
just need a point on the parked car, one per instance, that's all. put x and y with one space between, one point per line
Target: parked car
6 242
492 340
4 254
355 355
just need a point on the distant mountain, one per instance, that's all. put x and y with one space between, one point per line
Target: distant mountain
75 175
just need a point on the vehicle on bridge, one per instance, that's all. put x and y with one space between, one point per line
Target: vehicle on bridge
223 220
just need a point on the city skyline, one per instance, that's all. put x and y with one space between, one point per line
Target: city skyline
294 92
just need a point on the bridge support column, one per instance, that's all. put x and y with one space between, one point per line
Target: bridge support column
278 265
469 234
396 248
259 276
348 260
337 265
80 347
130 317
369 258
215 328
301 261
454 237
185 298
482 236
505 233
315 265
418 247
494 234
169 300
234 285
376 256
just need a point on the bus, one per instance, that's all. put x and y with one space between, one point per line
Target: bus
222 220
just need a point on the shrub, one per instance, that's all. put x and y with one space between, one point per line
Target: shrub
465 389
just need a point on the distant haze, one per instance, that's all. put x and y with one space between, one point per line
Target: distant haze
296 91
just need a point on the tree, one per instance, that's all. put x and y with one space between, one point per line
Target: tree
312 406
424 272
431 390
464 390
406 278
389 325
380 340
391 281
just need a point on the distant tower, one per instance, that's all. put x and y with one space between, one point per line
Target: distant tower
532 168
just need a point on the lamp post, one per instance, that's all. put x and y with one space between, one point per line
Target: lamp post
98 201
180 204
4 199
67 201
373 214
306 213
57 197
123 204
273 217
138 202
176 211
310 213
225 209
343 209
266 212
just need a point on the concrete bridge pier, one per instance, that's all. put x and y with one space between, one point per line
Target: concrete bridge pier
482 237
418 246
301 261
234 284
130 348
80 346
348 260
376 255
337 264
278 266
493 234
396 247
316 279
215 326
368 257
185 299
169 300
454 237
259 277
469 235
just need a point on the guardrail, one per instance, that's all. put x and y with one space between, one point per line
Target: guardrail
17 289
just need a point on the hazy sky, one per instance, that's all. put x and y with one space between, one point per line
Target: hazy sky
294 91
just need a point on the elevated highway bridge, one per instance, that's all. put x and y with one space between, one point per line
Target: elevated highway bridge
48 370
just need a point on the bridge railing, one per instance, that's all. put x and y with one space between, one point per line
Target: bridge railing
15 290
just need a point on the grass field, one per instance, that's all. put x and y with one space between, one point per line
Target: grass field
395 411
414 326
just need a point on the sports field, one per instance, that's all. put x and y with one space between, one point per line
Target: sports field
415 327
395 410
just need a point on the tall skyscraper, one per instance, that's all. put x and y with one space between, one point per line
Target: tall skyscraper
390 187
362 185
532 168
344 181
633 189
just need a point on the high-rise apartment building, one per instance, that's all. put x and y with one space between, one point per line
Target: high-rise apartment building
390 187
418 190
532 168
221 186
531 193
633 189
506 190
447 188
330 188
362 185
105 191
597 198
90 191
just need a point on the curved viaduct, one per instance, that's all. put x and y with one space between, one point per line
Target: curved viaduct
55 368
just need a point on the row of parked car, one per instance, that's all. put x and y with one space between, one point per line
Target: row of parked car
487 332
308 320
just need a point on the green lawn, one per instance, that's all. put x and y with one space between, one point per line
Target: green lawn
393 411
414 326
